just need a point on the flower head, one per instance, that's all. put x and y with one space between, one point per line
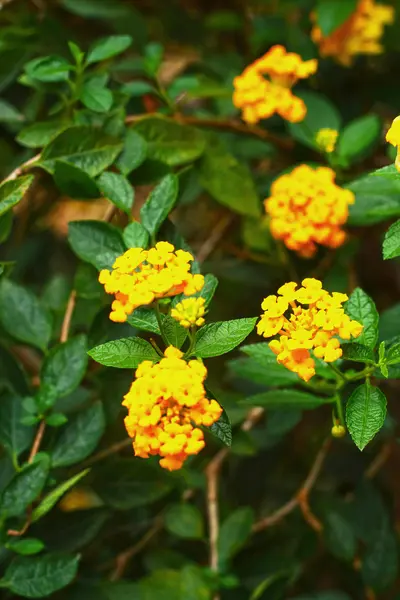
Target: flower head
326 139
166 403
264 87
393 137
307 208
190 312
141 276
316 318
359 34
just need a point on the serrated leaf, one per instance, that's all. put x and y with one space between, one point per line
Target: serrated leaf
208 290
135 236
133 154
391 242
79 437
287 399
73 181
126 353
40 576
40 134
222 429
219 338
23 316
53 497
65 365
24 488
170 142
357 137
159 204
361 308
117 189
173 331
14 436
86 147
365 413
234 533
184 521
144 319
96 242
393 354
108 47
12 192
358 353
332 14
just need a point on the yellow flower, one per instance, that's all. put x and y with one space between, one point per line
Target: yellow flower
141 276
393 137
189 312
306 330
166 403
326 139
307 208
260 98
338 431
359 34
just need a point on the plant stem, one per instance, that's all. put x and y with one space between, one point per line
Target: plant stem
339 407
338 372
159 321
192 338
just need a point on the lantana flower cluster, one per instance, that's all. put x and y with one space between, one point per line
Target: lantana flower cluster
190 312
326 139
167 403
141 276
264 87
307 208
316 320
359 34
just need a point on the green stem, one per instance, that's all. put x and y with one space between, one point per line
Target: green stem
362 375
160 325
192 338
339 407
338 372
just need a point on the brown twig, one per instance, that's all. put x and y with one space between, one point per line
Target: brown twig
19 170
215 236
37 441
66 324
378 462
107 452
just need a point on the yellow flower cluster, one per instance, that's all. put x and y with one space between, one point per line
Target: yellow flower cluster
190 312
326 139
393 137
141 276
165 403
306 329
359 34
306 208
264 87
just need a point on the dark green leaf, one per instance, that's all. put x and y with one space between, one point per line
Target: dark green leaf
321 114
73 181
287 399
8 113
14 436
65 365
222 337
358 137
389 322
40 134
159 204
135 235
365 413
379 564
393 354
95 96
391 242
173 331
332 14
377 199
85 147
22 315
40 576
26 547
12 192
133 154
6 223
208 290
329 595
185 521
358 353
222 429
53 497
126 353
144 319
108 47
96 242
79 437
24 487
339 535
234 533
118 190
361 308
48 69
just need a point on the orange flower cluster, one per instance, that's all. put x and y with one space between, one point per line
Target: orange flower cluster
306 329
359 34
306 208
264 87
393 137
165 403
141 276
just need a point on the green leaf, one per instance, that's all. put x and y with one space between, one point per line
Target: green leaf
79 437
222 337
126 353
14 436
108 47
227 180
332 14
379 564
86 147
321 114
361 308
144 319
24 487
12 192
287 399
391 242
365 413
208 290
393 354
358 353
133 154
135 89
73 181
389 322
96 242
234 533
49 69
174 332
159 204
135 235
40 134
8 113
54 496
23 316
65 366
377 199
339 535
169 142
6 223
118 190
184 521
56 419
389 172
222 429
329 595
357 138
40 576
95 96
26 547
